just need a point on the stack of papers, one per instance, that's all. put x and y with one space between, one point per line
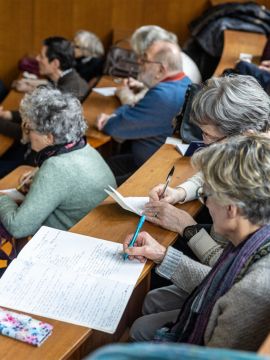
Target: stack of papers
133 204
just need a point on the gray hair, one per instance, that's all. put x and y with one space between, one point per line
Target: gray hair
235 104
89 43
238 172
169 55
49 111
146 35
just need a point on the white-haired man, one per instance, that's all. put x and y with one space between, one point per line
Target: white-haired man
147 124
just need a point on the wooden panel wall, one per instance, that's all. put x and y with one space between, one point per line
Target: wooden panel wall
24 23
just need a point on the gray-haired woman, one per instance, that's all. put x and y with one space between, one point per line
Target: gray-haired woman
71 176
228 305
224 107
89 53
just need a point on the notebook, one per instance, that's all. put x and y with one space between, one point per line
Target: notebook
134 204
70 277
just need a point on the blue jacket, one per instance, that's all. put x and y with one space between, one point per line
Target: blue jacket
149 122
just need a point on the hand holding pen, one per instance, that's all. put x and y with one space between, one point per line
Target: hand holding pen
135 235
25 181
168 180
146 248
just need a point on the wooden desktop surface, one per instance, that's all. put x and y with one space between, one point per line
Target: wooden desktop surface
108 221
236 42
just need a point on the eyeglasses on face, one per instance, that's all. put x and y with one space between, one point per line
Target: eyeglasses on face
143 60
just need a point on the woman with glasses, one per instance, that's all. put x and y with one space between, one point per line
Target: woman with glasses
71 175
222 108
228 305
89 55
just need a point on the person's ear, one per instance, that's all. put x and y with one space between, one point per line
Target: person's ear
56 64
49 139
232 211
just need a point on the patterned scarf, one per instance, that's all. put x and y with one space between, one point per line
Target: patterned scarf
54 150
230 268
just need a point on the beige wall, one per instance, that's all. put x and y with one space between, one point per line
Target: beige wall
24 23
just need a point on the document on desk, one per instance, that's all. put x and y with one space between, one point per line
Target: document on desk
70 277
134 204
105 91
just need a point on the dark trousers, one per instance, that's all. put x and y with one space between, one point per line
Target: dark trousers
122 166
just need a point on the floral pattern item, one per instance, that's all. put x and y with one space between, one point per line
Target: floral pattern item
23 327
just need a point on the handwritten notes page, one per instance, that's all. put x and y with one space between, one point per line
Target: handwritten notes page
133 204
70 277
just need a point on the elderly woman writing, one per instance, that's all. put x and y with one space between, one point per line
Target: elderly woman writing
71 176
228 305
222 108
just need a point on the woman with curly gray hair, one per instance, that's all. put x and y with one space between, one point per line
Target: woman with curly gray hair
228 305
71 175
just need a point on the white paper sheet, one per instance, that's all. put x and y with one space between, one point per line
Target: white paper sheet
173 141
182 148
105 91
72 278
13 194
134 204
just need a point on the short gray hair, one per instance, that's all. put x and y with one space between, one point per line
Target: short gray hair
169 55
90 44
238 171
145 36
49 111
235 104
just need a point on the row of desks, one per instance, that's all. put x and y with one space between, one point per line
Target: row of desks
92 107
108 221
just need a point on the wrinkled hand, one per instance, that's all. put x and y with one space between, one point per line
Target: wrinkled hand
23 85
102 120
171 196
145 247
168 216
25 182
5 114
265 65
133 84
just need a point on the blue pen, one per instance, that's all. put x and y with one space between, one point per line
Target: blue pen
134 238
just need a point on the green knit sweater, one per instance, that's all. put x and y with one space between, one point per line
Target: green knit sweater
65 189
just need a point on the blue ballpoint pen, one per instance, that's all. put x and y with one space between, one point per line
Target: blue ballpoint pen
134 237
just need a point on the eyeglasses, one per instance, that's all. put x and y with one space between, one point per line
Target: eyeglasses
143 60
202 196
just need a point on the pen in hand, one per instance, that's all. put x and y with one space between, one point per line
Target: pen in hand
135 235
25 181
168 180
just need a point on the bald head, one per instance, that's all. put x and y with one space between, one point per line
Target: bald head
168 54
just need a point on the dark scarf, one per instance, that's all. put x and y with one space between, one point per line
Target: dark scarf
231 267
54 150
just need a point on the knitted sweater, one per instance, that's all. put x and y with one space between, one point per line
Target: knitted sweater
65 188
149 122
240 319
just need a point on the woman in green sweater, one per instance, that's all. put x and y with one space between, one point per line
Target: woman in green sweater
71 174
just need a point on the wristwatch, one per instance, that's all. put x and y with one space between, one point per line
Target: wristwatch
191 231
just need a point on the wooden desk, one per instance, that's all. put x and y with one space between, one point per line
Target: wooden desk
236 42
94 105
109 221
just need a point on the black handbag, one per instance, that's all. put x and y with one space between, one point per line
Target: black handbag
187 131
121 62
